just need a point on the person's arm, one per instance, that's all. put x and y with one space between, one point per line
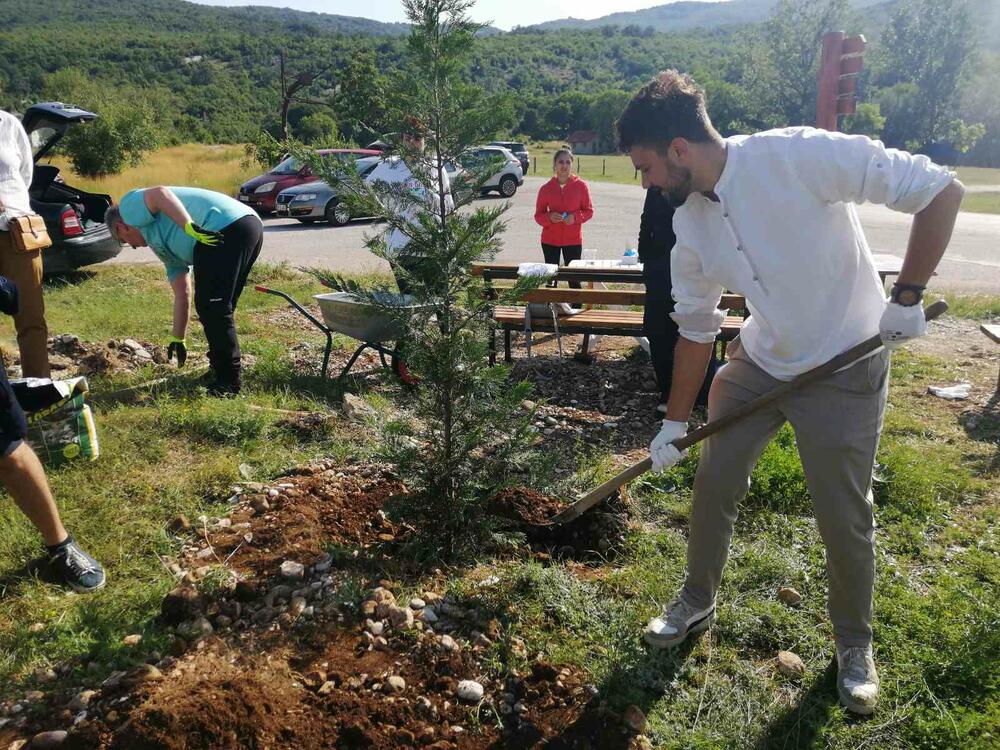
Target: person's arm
691 360
930 235
162 200
586 211
645 245
27 159
181 285
542 209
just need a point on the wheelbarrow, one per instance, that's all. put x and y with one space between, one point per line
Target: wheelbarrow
351 316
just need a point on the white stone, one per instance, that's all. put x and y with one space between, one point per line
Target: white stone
470 691
292 569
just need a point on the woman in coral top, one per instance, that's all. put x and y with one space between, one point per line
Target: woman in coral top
562 207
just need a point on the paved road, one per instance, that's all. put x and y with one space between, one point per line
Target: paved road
972 263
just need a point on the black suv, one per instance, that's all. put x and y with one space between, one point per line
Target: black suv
519 150
74 218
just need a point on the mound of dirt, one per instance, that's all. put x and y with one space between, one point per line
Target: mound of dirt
69 356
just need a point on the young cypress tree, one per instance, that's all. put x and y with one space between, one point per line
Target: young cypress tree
463 435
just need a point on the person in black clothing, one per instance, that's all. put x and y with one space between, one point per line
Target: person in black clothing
656 240
22 475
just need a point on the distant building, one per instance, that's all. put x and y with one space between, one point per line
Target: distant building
583 142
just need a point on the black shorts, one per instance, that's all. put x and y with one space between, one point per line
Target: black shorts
13 424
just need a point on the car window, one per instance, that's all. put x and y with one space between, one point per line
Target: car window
41 135
288 166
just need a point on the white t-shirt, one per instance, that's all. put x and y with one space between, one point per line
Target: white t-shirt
407 194
785 234
16 167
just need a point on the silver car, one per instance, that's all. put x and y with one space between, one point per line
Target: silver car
316 201
506 181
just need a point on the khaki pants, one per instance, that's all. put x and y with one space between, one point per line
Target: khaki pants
837 425
25 270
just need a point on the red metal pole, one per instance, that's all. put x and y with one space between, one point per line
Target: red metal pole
829 80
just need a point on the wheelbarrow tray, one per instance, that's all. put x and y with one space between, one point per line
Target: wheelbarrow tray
356 317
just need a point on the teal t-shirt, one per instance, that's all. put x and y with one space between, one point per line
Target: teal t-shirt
208 209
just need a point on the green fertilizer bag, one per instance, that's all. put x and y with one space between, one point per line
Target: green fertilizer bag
60 425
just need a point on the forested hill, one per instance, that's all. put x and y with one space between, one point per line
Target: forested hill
684 15
178 16
210 74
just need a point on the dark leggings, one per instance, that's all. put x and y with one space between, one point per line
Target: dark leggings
569 252
220 273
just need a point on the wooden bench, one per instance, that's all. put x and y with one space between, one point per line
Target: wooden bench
992 332
595 321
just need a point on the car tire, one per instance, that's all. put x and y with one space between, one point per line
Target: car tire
508 186
336 214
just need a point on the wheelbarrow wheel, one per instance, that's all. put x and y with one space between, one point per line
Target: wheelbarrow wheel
398 366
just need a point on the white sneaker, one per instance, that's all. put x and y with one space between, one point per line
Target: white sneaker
677 621
857 680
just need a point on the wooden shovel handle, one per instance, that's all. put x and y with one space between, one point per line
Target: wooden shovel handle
842 360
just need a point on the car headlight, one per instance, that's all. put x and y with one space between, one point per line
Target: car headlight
305 197
267 187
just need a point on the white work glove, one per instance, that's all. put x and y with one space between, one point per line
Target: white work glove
663 454
899 324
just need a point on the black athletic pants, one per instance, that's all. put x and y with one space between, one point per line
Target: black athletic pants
569 252
661 330
220 273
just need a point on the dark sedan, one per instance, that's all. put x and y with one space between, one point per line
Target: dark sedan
74 217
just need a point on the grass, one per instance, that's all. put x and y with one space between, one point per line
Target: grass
938 547
979 175
982 203
214 167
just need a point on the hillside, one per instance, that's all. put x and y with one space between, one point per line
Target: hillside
179 16
684 15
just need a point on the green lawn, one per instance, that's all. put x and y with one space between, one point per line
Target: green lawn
982 203
937 504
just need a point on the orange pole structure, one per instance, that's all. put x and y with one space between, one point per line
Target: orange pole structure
829 80
840 64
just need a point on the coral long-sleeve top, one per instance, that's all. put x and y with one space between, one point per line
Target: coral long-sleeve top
571 198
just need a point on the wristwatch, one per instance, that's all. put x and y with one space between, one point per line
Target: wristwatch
906 295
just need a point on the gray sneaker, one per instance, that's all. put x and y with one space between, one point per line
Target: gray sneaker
857 680
677 621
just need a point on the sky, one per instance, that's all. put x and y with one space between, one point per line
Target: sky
502 13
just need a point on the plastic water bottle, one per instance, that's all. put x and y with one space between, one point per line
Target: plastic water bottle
629 257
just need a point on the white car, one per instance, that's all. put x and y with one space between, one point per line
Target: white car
506 181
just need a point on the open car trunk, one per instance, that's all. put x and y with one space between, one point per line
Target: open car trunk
46 124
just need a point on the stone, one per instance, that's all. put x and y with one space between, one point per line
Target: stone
180 604
356 408
326 688
417 603
789 596
47 740
401 617
375 627
448 643
323 564
195 630
297 606
292 569
394 684
790 664
381 644
264 615
81 700
278 593
428 615
36 627
470 691
424 705
132 640
634 719
17 744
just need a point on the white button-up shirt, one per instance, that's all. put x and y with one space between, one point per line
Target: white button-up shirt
785 234
16 165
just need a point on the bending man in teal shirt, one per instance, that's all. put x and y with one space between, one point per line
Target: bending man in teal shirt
215 235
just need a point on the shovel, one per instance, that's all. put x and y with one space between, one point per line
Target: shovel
842 360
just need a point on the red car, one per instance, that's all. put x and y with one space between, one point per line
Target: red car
261 191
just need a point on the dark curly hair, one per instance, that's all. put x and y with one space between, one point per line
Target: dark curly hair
670 106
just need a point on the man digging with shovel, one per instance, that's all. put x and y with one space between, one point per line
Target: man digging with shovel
771 216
